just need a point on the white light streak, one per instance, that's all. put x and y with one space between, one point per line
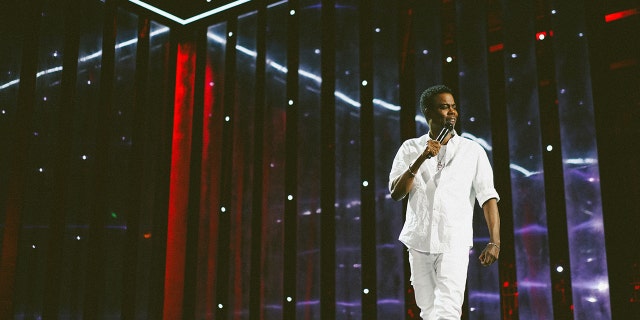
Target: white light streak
522 170
192 19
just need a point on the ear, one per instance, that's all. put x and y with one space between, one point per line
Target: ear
428 113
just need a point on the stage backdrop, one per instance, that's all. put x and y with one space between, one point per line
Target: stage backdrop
237 167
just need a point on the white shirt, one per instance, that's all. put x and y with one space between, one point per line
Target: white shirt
440 207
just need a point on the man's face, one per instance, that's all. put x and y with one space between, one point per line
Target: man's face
442 110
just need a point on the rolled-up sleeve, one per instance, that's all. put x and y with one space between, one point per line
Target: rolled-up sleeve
406 154
483 181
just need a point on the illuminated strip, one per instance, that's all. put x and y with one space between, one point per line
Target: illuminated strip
192 19
306 74
620 15
479 140
522 170
84 59
9 84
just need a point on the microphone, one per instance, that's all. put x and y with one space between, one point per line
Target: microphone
443 133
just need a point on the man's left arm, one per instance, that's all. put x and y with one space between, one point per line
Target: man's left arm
492 251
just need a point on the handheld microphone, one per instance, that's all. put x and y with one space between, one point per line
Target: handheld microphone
443 133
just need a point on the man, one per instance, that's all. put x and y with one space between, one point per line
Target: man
443 181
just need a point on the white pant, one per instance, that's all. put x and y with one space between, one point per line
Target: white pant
439 281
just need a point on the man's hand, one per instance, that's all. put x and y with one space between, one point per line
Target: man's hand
490 254
432 149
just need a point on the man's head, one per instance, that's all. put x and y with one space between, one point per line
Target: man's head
427 98
438 106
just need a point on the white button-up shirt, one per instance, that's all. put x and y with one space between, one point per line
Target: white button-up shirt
440 207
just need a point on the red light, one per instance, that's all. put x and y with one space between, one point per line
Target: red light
505 284
620 15
541 35
496 47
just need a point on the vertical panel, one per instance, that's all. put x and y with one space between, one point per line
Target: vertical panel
9 80
255 283
502 177
308 273
210 175
223 258
369 288
16 106
273 178
118 151
347 152
589 279
615 83
95 277
551 140
199 39
290 243
525 154
328 161
407 86
150 271
391 258
475 121
38 175
61 159
179 183
136 173
82 157
242 179
428 47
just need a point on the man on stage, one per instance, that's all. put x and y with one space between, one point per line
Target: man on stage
443 179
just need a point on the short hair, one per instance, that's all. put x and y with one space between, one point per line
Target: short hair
426 98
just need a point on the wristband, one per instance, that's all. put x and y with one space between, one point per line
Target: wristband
411 172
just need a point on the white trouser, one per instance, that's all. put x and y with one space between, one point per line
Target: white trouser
439 281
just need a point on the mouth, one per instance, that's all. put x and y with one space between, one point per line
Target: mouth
451 120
